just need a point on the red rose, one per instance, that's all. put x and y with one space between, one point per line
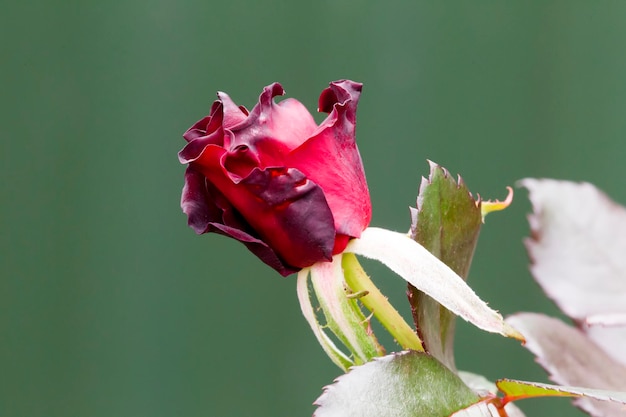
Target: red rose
293 192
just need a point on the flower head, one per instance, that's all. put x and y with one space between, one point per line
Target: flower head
292 191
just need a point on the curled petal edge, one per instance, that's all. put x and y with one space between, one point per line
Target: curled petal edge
340 93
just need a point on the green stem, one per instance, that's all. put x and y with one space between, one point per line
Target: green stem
358 281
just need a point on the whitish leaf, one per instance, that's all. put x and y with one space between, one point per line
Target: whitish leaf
577 250
423 270
406 384
572 359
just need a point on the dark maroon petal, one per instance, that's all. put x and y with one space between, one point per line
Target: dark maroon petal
331 159
194 149
340 92
209 211
283 208
234 226
257 247
207 124
197 130
206 131
290 214
196 203
244 110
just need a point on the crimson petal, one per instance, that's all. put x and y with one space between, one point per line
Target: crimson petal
291 215
292 192
331 158
272 130
209 211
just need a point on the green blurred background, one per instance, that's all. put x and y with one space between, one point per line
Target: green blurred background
111 306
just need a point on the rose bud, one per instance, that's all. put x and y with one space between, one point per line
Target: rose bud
293 192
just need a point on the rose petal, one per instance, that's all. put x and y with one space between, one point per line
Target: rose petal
209 211
284 208
233 114
246 157
291 214
331 158
194 149
207 124
272 130
195 201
